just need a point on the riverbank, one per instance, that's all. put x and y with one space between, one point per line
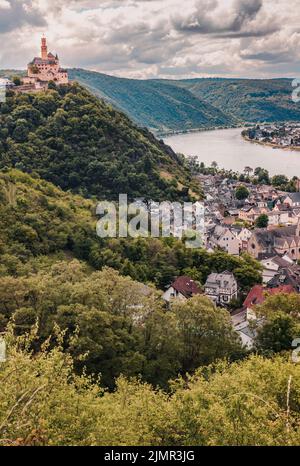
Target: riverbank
167 134
269 144
232 152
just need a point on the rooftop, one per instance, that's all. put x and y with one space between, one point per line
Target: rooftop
186 286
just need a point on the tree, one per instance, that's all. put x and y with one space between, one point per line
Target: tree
205 333
279 181
42 402
262 175
277 334
262 221
248 171
241 193
280 314
17 80
283 302
57 126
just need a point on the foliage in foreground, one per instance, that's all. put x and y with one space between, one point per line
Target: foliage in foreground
123 327
42 402
38 219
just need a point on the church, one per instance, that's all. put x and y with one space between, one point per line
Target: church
41 70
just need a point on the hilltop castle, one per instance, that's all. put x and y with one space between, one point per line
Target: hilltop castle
41 70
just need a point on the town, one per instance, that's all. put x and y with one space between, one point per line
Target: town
242 215
278 135
254 219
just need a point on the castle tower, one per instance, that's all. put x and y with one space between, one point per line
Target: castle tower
44 48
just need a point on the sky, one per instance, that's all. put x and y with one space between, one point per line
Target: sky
157 38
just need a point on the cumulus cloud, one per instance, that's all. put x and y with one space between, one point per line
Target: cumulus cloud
17 13
156 38
240 18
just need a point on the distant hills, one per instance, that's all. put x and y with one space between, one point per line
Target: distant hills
248 100
166 106
182 105
161 106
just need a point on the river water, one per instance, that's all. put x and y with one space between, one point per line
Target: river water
231 151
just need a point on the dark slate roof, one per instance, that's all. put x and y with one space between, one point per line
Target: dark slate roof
289 275
267 237
294 196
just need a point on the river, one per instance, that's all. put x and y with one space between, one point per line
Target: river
231 151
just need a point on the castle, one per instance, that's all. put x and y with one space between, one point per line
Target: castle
44 69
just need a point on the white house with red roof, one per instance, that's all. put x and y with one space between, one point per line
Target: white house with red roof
182 288
241 320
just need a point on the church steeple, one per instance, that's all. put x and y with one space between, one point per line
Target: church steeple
44 48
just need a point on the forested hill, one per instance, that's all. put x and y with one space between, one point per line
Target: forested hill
249 100
165 106
161 106
79 142
176 105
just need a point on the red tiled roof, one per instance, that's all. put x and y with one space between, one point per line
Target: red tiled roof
258 294
186 286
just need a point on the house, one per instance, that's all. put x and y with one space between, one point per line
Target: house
273 266
258 294
246 214
288 275
278 241
183 288
242 320
6 83
241 324
221 288
278 217
225 239
292 200
251 214
243 236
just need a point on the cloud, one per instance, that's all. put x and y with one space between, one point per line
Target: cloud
156 38
240 18
14 14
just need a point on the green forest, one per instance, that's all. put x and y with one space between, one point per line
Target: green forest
94 355
166 106
80 323
80 143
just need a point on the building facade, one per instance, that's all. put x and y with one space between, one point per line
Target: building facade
41 70
221 288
